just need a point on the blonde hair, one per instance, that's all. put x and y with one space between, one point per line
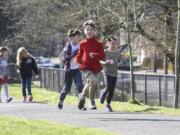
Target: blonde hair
19 56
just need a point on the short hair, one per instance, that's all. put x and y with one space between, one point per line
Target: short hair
73 32
4 49
110 38
90 23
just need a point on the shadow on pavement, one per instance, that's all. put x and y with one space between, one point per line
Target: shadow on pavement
122 119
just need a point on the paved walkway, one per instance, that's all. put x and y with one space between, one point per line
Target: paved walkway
118 122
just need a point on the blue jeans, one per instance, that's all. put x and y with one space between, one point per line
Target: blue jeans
26 83
75 75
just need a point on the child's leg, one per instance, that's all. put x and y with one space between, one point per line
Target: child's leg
0 92
6 96
28 84
85 90
67 87
23 83
87 85
93 89
112 84
104 92
77 77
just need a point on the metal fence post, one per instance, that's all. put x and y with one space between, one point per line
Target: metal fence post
159 90
58 75
145 89
45 86
122 93
40 77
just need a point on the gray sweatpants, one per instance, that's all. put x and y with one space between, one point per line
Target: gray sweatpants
4 94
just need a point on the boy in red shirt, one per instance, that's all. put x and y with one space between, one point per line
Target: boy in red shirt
90 53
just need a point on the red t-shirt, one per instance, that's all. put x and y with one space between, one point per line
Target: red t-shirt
86 62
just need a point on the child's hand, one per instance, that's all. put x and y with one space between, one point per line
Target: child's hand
1 77
109 62
18 71
92 54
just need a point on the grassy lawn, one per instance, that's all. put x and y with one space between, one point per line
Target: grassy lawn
16 126
42 95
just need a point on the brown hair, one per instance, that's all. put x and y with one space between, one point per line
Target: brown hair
110 38
90 23
4 49
73 32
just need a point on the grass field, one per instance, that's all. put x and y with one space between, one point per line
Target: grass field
16 126
43 95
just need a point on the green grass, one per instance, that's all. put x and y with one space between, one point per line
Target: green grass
16 126
43 95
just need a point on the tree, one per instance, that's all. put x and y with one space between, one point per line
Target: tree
130 51
177 59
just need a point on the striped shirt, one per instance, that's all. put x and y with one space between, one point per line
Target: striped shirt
4 67
112 69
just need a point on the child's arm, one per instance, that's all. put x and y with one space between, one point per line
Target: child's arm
34 67
103 62
100 54
64 53
79 55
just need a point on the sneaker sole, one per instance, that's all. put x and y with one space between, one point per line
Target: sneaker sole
94 108
9 100
84 109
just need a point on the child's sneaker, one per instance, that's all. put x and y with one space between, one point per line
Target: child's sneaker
108 108
84 109
9 99
92 105
24 99
60 104
81 103
102 97
30 98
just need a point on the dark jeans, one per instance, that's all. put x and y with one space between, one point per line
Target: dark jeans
26 83
110 86
75 75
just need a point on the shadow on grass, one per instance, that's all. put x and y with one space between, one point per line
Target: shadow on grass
150 110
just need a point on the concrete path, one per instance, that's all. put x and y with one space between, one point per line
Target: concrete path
118 122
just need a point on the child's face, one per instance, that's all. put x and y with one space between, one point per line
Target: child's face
24 54
76 39
112 44
89 31
5 54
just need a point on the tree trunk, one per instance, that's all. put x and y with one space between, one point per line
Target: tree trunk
154 63
177 56
130 52
165 65
165 78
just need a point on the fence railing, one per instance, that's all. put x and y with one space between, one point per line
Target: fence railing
152 89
